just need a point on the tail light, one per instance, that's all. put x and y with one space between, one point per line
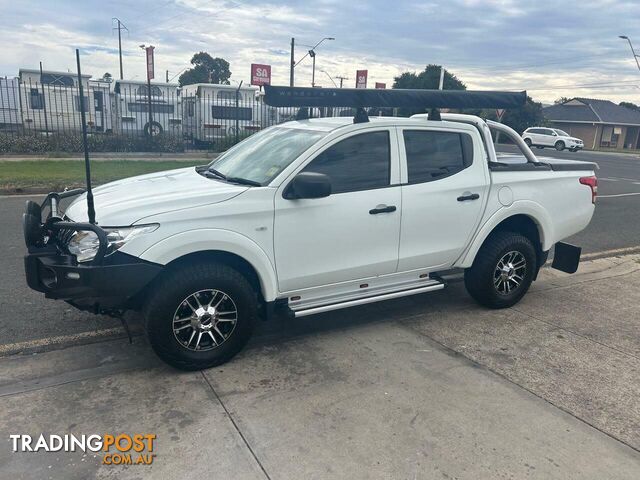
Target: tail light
592 183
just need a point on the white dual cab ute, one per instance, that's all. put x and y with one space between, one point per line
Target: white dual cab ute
311 216
551 137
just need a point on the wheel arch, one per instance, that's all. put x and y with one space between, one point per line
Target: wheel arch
230 248
529 220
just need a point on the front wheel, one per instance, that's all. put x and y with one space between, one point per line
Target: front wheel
502 271
200 316
559 146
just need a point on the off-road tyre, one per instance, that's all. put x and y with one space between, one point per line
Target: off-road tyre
170 293
480 278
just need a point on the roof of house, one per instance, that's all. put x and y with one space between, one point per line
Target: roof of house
592 110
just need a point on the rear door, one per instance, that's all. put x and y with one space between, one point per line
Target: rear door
445 187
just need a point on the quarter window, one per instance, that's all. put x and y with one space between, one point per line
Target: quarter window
435 154
361 162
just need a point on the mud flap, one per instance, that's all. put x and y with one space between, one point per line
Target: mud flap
566 257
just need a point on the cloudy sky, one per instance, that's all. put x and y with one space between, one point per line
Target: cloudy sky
550 48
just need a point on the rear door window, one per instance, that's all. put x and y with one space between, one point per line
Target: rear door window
432 155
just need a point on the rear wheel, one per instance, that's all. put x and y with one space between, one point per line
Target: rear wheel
559 145
528 142
152 129
200 316
502 271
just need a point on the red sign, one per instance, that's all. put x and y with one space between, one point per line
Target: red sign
361 78
149 51
500 113
381 85
260 74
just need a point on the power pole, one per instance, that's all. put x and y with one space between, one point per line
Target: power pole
342 79
441 85
119 28
293 62
167 77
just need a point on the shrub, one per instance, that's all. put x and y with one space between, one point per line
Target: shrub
39 143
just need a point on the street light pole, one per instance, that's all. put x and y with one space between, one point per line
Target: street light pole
635 57
293 62
311 53
313 71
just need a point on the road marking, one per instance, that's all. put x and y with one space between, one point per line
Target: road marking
24 195
61 340
619 195
611 253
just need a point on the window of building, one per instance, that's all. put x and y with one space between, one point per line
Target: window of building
36 99
55 79
143 91
76 103
155 108
361 162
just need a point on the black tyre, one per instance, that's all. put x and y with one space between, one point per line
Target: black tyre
528 142
559 145
152 129
200 316
502 271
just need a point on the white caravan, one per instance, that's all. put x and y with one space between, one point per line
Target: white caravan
211 111
50 101
131 108
10 115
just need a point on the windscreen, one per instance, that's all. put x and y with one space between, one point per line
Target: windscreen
262 156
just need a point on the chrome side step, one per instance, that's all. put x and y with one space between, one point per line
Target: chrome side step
362 301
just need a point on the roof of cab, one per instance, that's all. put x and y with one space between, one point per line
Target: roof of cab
328 124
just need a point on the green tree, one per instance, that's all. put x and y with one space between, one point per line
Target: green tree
630 105
206 69
561 100
429 78
529 115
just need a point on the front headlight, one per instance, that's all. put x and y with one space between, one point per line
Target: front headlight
84 244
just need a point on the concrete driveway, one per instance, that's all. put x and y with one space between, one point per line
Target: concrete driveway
427 387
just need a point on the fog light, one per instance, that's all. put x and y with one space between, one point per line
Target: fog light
73 276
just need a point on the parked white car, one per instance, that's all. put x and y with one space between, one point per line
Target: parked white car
551 137
307 217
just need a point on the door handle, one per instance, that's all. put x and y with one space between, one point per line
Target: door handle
382 209
468 196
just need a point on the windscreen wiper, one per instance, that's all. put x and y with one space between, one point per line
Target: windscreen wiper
215 172
243 181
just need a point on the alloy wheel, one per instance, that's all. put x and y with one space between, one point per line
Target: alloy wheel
509 272
205 320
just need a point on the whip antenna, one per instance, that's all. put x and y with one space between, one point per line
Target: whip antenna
87 165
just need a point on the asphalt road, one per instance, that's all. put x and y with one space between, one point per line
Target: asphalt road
25 316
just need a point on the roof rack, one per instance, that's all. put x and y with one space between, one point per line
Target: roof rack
360 98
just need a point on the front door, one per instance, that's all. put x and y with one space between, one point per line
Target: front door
446 187
354 232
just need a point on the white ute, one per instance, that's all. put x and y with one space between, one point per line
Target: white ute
312 216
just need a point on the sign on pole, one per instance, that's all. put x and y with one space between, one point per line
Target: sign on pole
361 78
149 51
500 113
260 74
381 85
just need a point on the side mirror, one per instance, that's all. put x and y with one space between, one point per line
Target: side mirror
309 185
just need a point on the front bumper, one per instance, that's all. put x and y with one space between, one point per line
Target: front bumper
111 284
109 281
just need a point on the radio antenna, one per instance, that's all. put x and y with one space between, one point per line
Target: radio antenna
87 165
